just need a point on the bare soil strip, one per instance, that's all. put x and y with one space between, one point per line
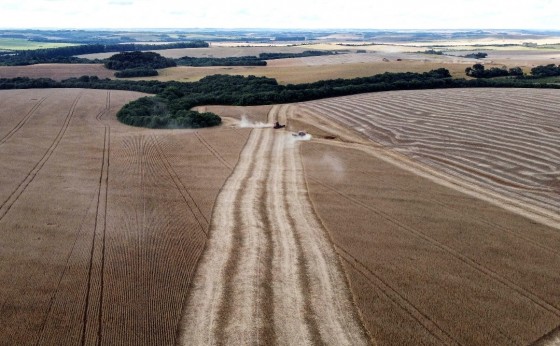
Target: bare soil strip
264 209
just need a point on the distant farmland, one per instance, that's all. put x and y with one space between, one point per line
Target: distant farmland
56 71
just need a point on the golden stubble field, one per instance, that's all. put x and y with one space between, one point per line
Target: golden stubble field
443 206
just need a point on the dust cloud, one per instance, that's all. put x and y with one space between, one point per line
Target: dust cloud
246 123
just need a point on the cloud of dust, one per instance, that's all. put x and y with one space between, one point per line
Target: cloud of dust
244 123
334 165
307 137
291 139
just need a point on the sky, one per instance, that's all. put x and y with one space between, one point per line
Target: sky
293 14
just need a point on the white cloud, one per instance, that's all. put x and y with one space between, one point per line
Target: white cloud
412 14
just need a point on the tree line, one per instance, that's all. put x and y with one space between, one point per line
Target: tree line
479 71
541 71
67 54
250 60
304 54
172 103
229 61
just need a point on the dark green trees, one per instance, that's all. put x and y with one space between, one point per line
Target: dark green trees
137 59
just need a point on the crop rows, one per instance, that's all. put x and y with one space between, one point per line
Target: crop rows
101 224
507 141
427 263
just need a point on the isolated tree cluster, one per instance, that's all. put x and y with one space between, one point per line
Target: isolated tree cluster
479 71
138 60
550 70
478 55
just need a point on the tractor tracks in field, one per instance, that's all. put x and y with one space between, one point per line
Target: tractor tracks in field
193 207
269 273
22 186
23 121
98 239
407 306
465 259
454 253
213 151
397 298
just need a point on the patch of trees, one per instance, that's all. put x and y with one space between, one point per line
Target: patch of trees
67 54
479 71
153 112
136 72
230 61
138 60
478 55
307 53
171 107
549 70
248 60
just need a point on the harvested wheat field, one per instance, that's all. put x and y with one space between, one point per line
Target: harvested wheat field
294 71
56 71
426 217
505 141
101 224
269 274
443 206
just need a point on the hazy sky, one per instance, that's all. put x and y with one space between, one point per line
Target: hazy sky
375 14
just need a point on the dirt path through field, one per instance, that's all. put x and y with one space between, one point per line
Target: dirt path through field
269 273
